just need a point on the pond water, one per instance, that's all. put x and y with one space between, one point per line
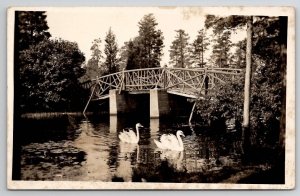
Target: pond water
75 147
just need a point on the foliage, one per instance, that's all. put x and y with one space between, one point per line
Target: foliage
268 90
133 60
93 66
267 81
224 102
31 28
198 48
145 50
179 50
123 55
111 51
49 76
221 49
239 57
92 70
150 42
96 52
220 24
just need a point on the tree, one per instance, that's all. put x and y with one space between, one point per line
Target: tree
111 50
31 28
145 50
179 50
93 67
268 37
129 55
151 42
123 56
268 99
96 52
221 49
49 76
199 46
232 22
239 57
133 55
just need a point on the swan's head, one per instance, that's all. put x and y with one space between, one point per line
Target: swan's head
179 132
139 125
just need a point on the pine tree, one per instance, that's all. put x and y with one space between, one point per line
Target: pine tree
221 49
150 42
31 28
93 67
179 50
96 52
198 47
111 51
239 57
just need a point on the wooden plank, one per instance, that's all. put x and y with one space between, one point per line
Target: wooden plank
101 97
224 72
89 99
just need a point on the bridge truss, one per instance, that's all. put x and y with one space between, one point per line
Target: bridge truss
188 82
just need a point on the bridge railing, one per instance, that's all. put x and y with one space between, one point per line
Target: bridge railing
184 80
142 79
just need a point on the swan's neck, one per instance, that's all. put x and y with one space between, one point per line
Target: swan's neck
179 141
137 133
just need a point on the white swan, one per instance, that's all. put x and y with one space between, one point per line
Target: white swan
170 141
130 136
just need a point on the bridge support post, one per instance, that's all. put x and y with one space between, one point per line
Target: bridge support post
159 103
117 103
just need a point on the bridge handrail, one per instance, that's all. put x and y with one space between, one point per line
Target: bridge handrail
215 69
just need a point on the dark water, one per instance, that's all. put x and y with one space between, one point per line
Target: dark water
71 147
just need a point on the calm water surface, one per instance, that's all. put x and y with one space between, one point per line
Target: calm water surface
88 148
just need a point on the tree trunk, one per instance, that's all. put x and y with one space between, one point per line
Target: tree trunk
246 116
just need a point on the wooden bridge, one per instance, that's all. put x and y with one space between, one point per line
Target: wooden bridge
187 82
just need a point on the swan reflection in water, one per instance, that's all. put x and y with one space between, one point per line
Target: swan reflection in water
128 158
174 158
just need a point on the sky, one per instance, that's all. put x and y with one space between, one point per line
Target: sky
86 24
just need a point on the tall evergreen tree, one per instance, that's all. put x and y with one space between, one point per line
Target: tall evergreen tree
150 42
93 66
239 57
145 50
111 50
96 52
198 47
31 28
221 49
179 50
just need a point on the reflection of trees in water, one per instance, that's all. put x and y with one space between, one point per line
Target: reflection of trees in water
46 161
95 141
